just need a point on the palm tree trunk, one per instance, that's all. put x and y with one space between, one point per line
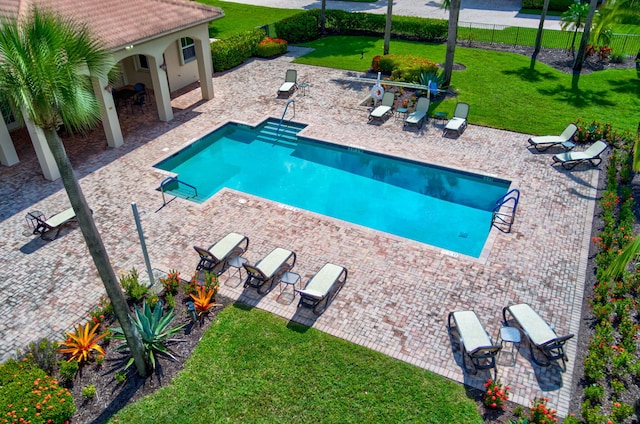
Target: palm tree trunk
97 249
387 27
454 12
577 65
538 43
323 9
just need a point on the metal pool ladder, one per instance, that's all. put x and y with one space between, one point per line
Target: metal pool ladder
504 212
285 112
168 180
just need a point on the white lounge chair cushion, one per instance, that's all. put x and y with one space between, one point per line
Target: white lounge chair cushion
287 86
273 261
225 246
547 139
455 124
60 218
323 281
593 151
380 111
537 329
472 334
415 117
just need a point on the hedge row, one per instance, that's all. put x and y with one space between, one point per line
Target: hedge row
232 51
305 26
557 5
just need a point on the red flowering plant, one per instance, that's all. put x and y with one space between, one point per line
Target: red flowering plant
270 47
171 281
541 413
496 394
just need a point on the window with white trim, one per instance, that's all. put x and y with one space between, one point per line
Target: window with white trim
187 50
142 64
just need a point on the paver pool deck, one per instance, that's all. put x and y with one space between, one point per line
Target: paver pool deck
399 291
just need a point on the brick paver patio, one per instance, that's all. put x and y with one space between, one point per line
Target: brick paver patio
399 291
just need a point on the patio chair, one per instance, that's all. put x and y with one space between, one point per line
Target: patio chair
215 259
475 342
322 288
542 338
421 113
385 108
459 121
570 160
43 226
269 269
290 83
547 141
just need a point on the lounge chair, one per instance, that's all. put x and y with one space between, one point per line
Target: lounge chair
475 341
290 83
43 226
421 113
569 160
547 141
459 121
541 336
267 271
385 108
322 287
215 259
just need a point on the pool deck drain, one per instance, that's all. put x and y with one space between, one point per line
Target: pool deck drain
398 293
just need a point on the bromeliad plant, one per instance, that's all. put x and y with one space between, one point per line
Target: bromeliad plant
81 344
203 300
154 329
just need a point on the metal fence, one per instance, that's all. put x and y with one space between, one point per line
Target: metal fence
516 36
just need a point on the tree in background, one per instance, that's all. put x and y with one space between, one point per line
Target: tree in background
538 43
454 12
575 18
582 50
387 27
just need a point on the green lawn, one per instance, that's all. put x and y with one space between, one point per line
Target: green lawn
501 90
252 366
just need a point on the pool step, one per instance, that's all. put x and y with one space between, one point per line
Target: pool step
280 134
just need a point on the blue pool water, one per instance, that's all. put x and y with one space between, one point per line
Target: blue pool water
438 206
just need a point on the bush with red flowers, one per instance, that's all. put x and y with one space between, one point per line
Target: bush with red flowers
495 395
270 47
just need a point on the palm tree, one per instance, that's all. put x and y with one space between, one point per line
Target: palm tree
45 67
387 27
538 43
323 11
454 11
574 18
577 65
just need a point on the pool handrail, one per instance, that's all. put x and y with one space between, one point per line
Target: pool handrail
168 180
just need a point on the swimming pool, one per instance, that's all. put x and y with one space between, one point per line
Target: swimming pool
434 205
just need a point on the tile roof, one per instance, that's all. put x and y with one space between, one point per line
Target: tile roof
119 23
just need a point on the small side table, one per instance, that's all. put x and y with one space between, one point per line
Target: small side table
235 263
440 116
568 145
511 335
303 88
289 279
401 113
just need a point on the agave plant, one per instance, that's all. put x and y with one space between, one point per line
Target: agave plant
203 299
154 329
81 344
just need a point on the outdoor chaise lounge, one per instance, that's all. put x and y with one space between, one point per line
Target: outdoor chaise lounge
541 336
323 287
385 108
43 226
267 271
475 342
290 82
547 141
592 155
459 121
421 113
215 258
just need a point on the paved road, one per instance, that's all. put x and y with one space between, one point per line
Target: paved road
500 12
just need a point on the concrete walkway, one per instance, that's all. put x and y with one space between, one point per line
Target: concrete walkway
497 12
399 291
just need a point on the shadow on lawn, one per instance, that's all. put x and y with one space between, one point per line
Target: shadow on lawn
577 97
532 75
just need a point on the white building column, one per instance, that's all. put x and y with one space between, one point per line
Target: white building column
45 157
160 88
110 121
8 155
205 67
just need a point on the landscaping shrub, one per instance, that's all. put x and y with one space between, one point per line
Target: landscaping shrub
299 28
558 5
28 394
270 47
43 353
132 287
405 68
231 52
